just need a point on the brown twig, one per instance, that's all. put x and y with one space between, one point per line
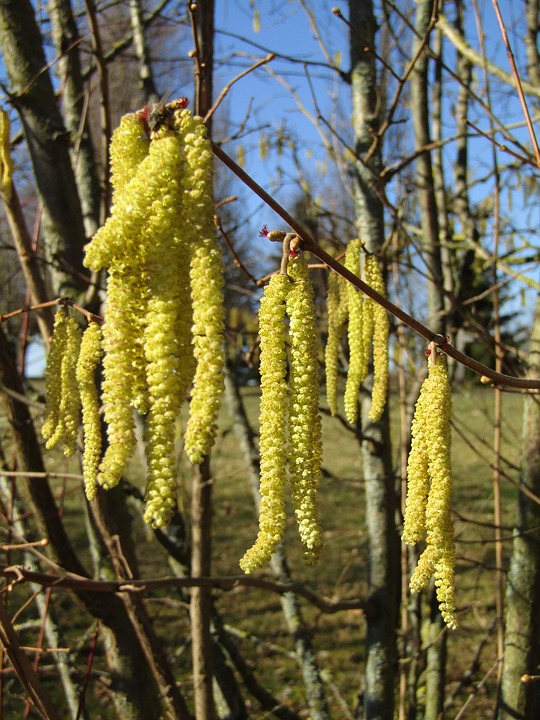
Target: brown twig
229 85
309 244
70 581
91 317
236 259
517 79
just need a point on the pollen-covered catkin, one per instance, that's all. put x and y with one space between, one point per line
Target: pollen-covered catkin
167 337
125 234
417 473
305 446
53 374
120 337
380 339
67 416
129 147
89 358
206 293
431 447
337 316
273 423
358 352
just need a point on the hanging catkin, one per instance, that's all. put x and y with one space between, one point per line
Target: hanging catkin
273 423
429 492
305 447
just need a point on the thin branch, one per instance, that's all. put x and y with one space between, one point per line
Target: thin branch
227 87
459 42
518 82
71 581
236 259
309 244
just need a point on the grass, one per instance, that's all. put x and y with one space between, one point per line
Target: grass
257 618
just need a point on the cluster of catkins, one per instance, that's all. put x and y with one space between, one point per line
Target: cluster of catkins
290 423
163 329
429 492
368 330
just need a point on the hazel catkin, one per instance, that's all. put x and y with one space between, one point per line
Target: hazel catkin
380 331
273 423
336 303
89 358
305 446
358 352
428 509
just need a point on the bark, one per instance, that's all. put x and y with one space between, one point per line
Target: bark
32 94
424 170
383 568
315 692
146 76
204 29
519 699
75 100
531 41
201 601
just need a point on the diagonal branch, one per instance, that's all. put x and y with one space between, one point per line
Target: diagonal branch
309 244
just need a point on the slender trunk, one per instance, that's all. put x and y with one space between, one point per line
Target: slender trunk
75 100
531 41
146 77
201 601
32 94
519 697
424 169
378 696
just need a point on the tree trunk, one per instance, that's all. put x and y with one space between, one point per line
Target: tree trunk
378 696
424 170
32 94
519 699
74 103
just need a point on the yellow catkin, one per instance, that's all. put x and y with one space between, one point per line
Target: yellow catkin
417 473
305 446
164 323
6 161
206 292
380 340
273 424
125 232
53 374
67 425
89 358
431 444
167 338
358 364
337 316
120 337
129 147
